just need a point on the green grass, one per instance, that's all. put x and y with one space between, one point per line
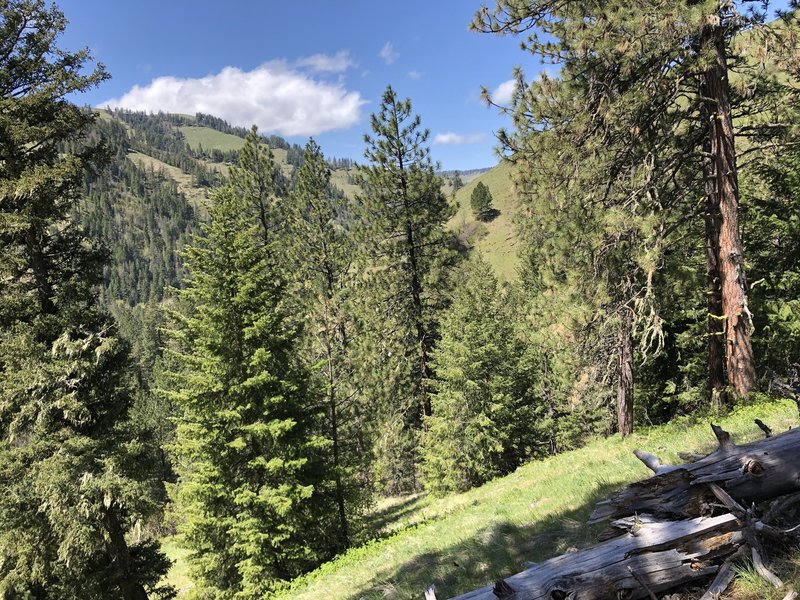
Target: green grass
210 139
466 540
178 575
500 244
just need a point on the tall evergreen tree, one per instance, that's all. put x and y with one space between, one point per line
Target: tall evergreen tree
484 418
323 259
74 472
481 201
249 458
646 89
403 212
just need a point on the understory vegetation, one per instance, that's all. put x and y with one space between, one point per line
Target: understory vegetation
314 376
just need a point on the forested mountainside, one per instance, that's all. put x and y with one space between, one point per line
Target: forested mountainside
241 346
150 198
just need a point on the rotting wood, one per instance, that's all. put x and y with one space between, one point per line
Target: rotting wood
666 531
662 554
754 472
724 577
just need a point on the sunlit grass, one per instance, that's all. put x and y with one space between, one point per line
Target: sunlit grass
500 244
466 540
178 575
210 139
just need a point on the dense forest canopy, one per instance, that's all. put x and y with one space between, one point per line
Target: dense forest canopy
217 334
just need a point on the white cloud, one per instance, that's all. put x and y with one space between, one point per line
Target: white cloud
325 63
274 96
414 75
503 93
388 54
457 139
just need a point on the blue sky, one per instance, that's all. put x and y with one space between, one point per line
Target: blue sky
315 68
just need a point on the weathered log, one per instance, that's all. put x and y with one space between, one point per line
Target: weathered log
749 473
651 546
652 557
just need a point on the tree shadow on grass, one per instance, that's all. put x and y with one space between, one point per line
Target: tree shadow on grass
395 517
497 551
489 216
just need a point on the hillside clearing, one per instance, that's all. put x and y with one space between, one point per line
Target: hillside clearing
463 541
500 244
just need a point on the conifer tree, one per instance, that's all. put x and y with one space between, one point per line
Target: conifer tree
481 201
74 472
323 254
644 97
403 212
249 458
483 421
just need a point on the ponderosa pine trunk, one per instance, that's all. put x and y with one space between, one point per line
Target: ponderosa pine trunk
716 334
625 373
730 261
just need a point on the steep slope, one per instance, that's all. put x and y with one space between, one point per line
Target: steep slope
464 541
153 195
496 239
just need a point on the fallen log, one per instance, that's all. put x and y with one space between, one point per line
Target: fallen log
667 530
750 473
652 557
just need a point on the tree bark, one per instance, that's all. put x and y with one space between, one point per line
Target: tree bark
625 373
653 556
130 588
715 345
730 262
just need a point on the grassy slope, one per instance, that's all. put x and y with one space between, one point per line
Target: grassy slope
463 541
467 540
500 244
185 182
210 139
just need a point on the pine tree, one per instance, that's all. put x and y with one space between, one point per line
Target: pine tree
249 455
403 212
323 254
481 202
483 421
644 98
74 472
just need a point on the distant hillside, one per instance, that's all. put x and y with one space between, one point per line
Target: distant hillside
496 240
152 197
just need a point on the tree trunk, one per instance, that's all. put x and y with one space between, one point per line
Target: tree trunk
653 557
716 333
750 473
730 262
552 438
130 588
625 373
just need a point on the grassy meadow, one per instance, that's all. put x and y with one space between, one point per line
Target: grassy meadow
496 239
463 541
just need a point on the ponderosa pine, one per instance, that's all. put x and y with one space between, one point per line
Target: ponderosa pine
647 88
405 246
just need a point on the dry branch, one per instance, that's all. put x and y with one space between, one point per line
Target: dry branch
661 554
665 530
